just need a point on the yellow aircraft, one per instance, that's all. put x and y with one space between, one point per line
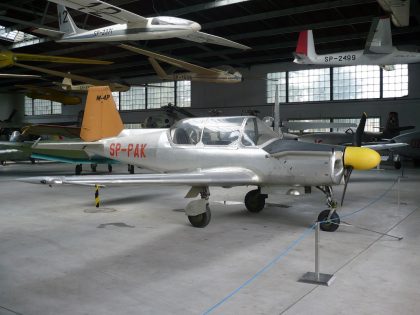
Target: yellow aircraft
196 73
114 86
9 58
46 93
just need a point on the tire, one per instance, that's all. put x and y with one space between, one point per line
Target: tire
201 220
93 167
131 169
329 226
397 165
78 169
255 201
110 168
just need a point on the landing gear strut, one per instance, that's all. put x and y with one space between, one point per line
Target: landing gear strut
329 218
78 169
255 200
203 219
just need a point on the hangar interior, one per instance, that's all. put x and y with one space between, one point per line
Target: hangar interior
135 253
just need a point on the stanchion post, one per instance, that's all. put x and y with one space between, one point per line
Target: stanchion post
317 277
398 192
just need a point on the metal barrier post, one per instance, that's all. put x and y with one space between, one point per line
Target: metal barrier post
317 277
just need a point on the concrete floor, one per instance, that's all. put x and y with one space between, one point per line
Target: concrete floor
57 257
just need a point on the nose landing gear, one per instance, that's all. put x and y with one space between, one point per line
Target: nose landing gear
329 218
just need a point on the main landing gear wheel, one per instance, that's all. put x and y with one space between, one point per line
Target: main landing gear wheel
93 167
255 201
131 169
397 165
110 168
201 220
332 224
78 169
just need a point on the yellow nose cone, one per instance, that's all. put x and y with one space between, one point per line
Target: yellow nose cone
361 158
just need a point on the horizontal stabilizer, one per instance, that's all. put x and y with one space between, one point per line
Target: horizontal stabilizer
71 146
201 37
48 32
72 161
210 177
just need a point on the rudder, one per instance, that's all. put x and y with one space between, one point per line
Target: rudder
65 21
305 45
101 118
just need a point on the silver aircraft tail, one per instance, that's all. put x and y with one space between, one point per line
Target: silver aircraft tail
67 25
305 48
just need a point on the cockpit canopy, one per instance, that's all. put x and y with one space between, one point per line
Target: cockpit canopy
221 131
170 20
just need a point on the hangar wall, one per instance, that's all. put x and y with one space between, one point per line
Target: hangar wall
233 99
252 94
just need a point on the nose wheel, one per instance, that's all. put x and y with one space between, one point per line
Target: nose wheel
329 218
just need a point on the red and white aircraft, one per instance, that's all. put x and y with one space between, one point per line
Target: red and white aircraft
378 50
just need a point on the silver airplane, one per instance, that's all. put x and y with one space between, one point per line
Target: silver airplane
212 151
129 26
378 50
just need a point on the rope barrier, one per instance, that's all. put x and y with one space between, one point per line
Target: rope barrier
284 253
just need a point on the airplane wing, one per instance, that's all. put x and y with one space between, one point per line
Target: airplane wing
379 40
58 59
64 75
210 177
175 62
385 146
19 76
103 10
201 37
64 131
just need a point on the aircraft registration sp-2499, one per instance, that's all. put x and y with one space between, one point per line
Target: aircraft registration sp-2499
378 50
213 151
129 26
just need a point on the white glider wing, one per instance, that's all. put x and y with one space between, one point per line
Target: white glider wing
103 10
379 40
225 177
175 62
201 37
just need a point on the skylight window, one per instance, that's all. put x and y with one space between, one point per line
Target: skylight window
14 36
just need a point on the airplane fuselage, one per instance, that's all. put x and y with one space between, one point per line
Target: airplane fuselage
153 149
223 77
123 32
359 57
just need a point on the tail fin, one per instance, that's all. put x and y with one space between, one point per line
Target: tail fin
67 84
379 40
101 118
158 69
67 25
305 46
392 127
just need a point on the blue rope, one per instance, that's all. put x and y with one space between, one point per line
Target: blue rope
264 269
287 250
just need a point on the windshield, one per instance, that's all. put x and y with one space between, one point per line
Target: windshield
225 131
